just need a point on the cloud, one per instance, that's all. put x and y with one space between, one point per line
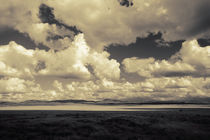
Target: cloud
46 15
16 61
67 63
31 18
191 60
77 62
201 19
58 85
103 67
153 89
16 89
150 67
126 3
12 85
105 22
195 55
162 77
54 23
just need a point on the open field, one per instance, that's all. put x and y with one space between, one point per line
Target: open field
169 124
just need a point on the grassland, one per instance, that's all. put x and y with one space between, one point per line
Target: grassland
172 124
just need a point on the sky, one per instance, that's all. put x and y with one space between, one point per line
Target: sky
130 50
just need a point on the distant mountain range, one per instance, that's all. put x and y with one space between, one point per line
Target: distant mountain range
197 100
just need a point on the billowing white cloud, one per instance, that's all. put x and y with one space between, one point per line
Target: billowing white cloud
66 63
16 61
12 85
191 53
162 77
153 89
190 60
103 67
15 89
72 62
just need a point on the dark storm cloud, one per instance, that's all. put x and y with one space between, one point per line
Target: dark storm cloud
9 34
40 66
151 46
202 19
204 42
46 15
126 3
173 74
181 74
56 37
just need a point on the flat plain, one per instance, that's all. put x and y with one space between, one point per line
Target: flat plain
166 124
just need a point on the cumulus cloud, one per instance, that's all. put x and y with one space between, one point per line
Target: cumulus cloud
153 89
15 89
72 62
162 77
103 67
191 60
16 61
67 63
12 85
195 55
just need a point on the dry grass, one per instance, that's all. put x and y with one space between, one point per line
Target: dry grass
187 124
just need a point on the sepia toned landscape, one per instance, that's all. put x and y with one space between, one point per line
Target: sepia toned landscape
104 70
